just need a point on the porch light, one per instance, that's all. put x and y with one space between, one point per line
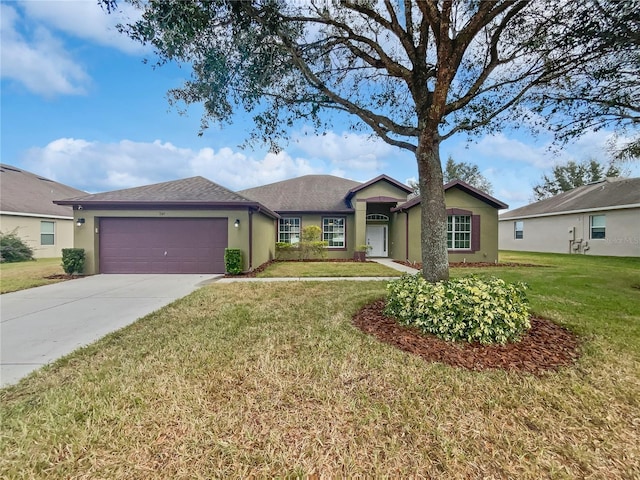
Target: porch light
237 223
80 222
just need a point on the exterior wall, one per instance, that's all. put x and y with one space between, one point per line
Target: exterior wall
264 231
316 219
454 198
87 236
28 229
552 234
381 188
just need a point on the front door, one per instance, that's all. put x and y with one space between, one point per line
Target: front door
377 240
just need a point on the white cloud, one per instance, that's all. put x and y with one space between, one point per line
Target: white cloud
500 147
96 166
39 62
346 151
87 20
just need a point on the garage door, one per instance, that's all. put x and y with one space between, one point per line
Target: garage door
162 245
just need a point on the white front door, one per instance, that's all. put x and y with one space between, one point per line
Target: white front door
377 240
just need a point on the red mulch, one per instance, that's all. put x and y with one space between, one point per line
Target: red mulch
418 265
545 347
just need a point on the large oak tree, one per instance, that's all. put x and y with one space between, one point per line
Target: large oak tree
413 72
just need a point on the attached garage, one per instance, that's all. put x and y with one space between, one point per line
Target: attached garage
182 226
162 245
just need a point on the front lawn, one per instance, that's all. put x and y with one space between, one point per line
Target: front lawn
21 275
273 380
327 269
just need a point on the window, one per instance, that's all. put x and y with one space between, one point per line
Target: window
597 226
289 230
47 233
518 229
333 231
459 232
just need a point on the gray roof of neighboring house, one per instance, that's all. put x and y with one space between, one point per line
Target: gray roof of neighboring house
310 193
474 192
26 192
188 192
605 194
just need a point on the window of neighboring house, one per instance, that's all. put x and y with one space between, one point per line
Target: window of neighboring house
289 230
459 232
333 230
47 233
597 226
518 228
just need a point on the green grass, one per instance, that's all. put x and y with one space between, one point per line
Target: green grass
272 380
327 269
23 275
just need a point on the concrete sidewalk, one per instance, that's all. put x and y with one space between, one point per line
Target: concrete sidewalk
42 324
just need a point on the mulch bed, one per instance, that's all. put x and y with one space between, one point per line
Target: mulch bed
546 347
63 276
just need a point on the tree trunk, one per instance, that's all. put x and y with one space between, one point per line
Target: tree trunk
433 230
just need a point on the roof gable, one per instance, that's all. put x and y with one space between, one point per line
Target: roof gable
309 193
609 193
465 187
379 178
26 192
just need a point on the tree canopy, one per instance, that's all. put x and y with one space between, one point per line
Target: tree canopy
572 174
414 73
468 173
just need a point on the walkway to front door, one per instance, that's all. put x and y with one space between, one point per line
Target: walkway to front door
378 240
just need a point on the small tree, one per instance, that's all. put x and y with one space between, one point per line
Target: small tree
13 248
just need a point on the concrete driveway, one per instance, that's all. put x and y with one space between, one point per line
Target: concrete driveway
42 324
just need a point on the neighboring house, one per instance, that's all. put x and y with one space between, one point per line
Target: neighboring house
602 218
26 207
183 226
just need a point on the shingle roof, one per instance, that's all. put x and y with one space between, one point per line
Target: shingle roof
474 192
188 190
25 192
193 191
310 193
609 193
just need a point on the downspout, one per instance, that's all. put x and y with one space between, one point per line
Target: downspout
250 239
406 234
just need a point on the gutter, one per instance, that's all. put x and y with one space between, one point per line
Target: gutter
571 212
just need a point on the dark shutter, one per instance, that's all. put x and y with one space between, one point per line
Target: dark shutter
475 233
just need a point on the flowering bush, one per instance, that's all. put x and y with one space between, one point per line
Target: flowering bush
471 309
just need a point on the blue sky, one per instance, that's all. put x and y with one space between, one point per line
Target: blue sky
79 106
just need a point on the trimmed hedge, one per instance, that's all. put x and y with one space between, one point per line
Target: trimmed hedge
233 260
464 309
73 260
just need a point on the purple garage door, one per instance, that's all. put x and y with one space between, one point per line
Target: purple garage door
162 245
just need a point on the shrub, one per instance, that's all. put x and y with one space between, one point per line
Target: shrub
470 309
13 248
284 250
310 244
233 260
72 260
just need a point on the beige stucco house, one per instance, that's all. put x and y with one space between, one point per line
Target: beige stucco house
27 208
184 226
602 218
